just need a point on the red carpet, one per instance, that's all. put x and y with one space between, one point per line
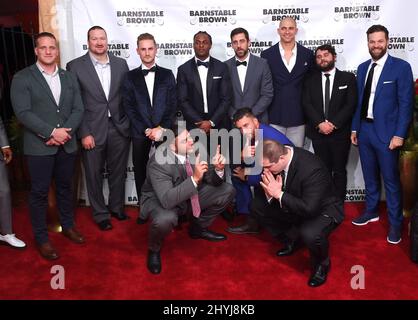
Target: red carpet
112 265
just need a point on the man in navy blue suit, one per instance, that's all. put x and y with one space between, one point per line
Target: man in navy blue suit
242 180
289 63
149 100
379 127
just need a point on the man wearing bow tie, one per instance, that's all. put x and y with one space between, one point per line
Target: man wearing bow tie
250 78
204 88
149 100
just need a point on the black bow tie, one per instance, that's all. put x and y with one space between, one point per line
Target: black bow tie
146 71
201 63
239 63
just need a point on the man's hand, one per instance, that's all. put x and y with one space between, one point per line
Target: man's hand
204 125
395 142
272 187
326 127
154 134
88 142
354 138
61 135
200 168
248 151
218 160
239 172
7 154
52 142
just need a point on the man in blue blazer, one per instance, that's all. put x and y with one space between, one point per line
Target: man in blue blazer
149 100
380 124
289 63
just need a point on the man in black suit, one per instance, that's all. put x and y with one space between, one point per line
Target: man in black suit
329 100
204 88
178 185
298 203
149 100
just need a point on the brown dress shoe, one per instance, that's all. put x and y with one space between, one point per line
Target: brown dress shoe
47 251
73 235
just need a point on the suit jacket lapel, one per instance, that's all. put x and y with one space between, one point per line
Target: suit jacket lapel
235 76
385 71
196 77
91 71
292 170
251 68
157 81
64 86
209 79
40 78
113 75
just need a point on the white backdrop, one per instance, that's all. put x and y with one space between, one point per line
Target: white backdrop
342 23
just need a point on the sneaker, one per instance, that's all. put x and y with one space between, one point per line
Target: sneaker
11 240
365 218
394 235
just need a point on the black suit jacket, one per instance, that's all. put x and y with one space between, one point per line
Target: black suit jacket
137 103
190 95
341 108
309 190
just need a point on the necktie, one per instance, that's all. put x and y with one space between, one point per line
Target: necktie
201 63
283 175
195 198
241 63
146 71
327 95
367 91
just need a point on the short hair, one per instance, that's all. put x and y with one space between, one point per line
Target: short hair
241 113
43 35
145 36
238 31
273 150
377 28
326 47
202 32
95 28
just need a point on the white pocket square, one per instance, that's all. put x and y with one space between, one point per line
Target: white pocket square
217 77
342 87
306 63
385 82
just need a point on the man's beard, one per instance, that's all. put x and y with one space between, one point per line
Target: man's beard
378 56
328 67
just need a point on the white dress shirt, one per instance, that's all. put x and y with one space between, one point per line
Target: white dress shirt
149 80
331 84
104 73
203 74
292 60
242 71
376 75
53 81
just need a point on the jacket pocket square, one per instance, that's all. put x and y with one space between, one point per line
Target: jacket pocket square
217 77
386 82
343 87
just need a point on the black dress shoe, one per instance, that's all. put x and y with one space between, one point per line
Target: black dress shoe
154 262
228 216
120 216
105 225
244 228
139 220
288 249
319 276
207 235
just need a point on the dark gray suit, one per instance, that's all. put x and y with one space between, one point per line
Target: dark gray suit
5 201
111 135
258 87
166 194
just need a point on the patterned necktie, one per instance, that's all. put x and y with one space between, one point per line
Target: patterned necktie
194 198
367 91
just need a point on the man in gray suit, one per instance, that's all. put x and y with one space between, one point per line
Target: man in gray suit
6 234
104 131
174 188
47 101
251 78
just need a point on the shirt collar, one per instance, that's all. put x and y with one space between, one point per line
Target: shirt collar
96 62
381 62
294 50
331 72
286 170
180 157
246 59
44 72
143 67
206 60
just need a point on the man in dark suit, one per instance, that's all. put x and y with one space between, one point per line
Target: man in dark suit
174 187
298 203
204 88
6 233
380 124
47 101
104 131
251 81
289 63
329 101
149 100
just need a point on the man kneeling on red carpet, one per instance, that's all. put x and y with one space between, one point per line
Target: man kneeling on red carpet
174 187
297 204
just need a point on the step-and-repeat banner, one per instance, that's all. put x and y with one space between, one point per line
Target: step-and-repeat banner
342 23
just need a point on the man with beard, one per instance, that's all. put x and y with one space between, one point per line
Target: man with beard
250 78
329 100
380 124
